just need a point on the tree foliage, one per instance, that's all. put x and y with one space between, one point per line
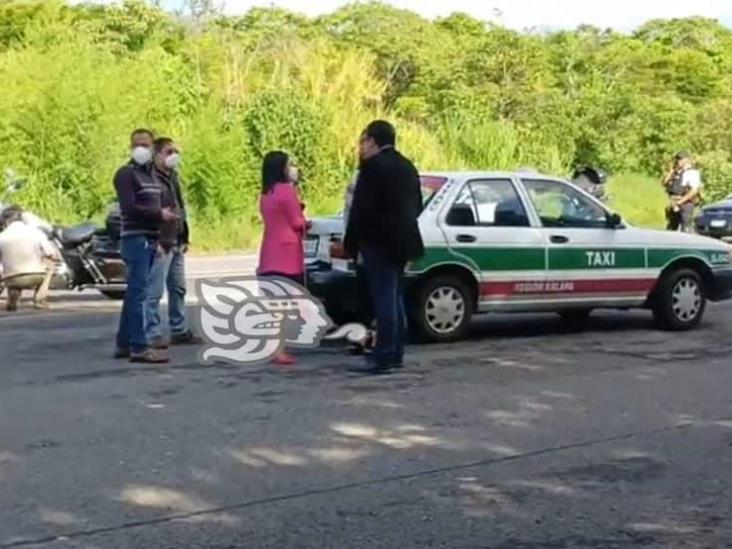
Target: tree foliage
463 93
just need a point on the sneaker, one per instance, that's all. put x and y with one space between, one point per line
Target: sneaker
187 338
150 356
41 305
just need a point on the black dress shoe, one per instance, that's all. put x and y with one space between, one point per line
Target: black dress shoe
372 370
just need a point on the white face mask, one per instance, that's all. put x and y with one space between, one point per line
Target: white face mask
141 155
292 174
172 161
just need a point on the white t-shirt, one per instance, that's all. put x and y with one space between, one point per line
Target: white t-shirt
691 179
23 249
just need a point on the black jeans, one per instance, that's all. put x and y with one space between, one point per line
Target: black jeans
364 307
385 281
683 219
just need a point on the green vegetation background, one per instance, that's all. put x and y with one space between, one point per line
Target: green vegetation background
463 93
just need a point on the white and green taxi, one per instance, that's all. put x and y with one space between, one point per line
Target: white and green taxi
523 242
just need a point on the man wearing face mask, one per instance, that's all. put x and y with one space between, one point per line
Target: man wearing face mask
169 264
139 196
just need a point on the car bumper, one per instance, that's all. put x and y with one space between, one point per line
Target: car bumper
721 285
714 226
338 290
344 296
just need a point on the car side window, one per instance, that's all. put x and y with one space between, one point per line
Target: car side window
488 203
559 205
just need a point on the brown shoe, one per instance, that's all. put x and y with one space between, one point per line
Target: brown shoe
187 338
159 344
149 356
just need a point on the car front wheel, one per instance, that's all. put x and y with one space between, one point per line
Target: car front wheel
680 301
442 309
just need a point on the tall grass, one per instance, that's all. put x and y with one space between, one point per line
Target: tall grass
639 199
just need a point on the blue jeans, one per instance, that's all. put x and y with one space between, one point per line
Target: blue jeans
385 281
168 271
176 283
138 253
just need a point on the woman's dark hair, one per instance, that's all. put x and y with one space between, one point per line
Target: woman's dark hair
274 170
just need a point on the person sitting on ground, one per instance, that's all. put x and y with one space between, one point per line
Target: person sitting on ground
27 258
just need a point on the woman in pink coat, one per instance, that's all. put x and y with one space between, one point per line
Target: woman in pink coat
285 225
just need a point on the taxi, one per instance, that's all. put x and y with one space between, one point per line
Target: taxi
525 242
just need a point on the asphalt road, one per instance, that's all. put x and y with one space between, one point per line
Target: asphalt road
521 437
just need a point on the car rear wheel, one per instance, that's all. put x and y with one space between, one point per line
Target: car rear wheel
442 309
680 301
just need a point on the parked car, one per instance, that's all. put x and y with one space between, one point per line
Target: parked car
524 242
715 220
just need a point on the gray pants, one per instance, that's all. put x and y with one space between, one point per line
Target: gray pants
37 282
681 220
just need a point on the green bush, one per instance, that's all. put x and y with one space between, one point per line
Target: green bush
716 169
639 199
463 95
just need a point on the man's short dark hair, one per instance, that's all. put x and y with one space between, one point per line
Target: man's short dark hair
160 143
142 131
382 132
9 215
682 155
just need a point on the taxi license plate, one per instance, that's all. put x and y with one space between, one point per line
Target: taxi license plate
310 246
718 223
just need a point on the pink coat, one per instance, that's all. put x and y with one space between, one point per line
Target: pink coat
284 229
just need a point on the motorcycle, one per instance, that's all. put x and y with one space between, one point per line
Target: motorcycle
90 254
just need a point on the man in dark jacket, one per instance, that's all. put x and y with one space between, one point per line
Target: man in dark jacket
142 213
168 267
383 228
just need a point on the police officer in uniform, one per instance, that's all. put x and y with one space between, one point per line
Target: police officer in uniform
683 186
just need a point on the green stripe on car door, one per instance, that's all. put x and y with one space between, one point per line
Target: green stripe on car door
486 259
502 259
596 258
659 258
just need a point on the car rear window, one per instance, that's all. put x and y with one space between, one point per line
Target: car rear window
430 184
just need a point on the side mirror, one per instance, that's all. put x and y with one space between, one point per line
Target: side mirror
614 220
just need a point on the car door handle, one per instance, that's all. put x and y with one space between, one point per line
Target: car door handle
559 239
466 238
